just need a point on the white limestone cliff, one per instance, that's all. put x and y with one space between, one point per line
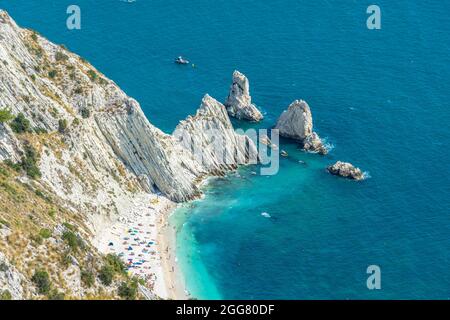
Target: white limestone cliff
210 137
296 123
109 154
10 279
9 145
239 102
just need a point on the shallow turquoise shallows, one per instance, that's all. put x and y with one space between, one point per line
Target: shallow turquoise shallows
381 98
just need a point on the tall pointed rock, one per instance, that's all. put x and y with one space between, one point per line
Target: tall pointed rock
296 123
239 102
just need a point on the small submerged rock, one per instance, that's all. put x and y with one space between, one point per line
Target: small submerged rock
346 170
265 140
296 123
239 102
313 143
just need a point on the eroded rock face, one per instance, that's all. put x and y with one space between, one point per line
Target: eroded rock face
153 156
346 170
211 139
10 279
9 145
296 123
239 102
47 83
109 146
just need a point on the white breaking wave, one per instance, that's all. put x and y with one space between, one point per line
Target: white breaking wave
328 145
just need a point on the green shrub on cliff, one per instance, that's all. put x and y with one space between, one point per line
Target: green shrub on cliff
62 125
69 226
106 275
29 162
113 266
20 124
41 280
116 263
92 75
45 233
87 277
73 240
15 166
5 115
60 56
5 295
52 74
128 290
85 113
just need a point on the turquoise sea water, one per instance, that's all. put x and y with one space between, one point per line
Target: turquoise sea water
380 97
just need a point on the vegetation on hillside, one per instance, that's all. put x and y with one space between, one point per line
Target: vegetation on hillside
44 240
49 258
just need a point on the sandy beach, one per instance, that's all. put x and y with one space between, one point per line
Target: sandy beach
145 241
173 277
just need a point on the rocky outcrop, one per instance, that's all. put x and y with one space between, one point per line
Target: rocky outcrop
239 102
107 129
346 170
313 143
9 146
10 279
296 123
210 138
153 156
109 141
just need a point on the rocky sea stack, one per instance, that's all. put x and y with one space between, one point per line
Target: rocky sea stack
239 102
296 123
346 170
210 137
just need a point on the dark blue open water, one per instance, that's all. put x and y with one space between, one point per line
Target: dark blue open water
380 97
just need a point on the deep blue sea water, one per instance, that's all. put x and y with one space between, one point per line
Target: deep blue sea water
380 97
